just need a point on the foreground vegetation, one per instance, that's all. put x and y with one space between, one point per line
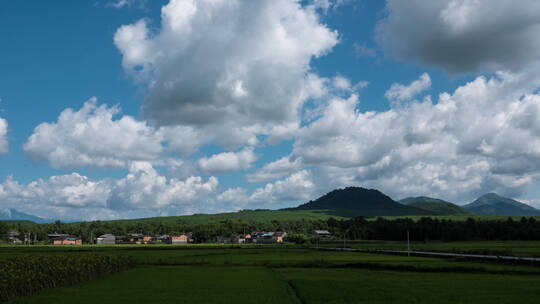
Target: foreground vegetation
285 275
26 275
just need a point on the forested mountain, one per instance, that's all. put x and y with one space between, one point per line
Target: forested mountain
434 205
493 204
357 201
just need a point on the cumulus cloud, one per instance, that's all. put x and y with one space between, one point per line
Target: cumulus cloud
245 74
92 136
483 137
228 161
145 188
4 146
463 35
399 92
142 192
297 187
276 169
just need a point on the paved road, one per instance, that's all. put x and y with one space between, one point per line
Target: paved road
436 254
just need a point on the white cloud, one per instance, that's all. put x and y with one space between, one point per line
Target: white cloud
229 66
145 188
142 192
298 187
484 137
277 169
534 203
228 161
126 3
399 92
463 35
92 136
328 5
4 146
237 196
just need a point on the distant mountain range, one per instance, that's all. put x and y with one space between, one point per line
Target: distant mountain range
493 204
15 215
348 202
356 201
434 205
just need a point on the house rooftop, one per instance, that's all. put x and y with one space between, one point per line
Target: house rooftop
322 232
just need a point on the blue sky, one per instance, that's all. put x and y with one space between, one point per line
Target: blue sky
182 106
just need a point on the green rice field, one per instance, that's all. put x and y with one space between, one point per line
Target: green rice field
177 274
509 248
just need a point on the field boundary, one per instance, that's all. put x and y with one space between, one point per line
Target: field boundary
436 254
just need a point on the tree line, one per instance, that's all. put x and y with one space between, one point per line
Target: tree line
359 228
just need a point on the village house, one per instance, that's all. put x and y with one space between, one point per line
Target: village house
67 240
56 235
280 236
106 239
235 239
147 239
135 238
178 238
268 237
321 234
14 237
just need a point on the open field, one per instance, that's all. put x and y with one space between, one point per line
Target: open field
176 274
365 286
203 284
509 248
180 284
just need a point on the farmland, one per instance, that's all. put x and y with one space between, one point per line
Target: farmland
204 274
508 248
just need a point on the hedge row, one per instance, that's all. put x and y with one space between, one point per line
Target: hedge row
22 276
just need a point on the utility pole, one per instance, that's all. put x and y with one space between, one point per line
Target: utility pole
408 244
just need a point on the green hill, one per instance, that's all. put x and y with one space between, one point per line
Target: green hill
434 206
357 201
244 215
493 204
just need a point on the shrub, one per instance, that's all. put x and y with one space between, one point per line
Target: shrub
297 238
26 275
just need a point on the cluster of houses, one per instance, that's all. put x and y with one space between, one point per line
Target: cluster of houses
137 238
184 238
255 237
